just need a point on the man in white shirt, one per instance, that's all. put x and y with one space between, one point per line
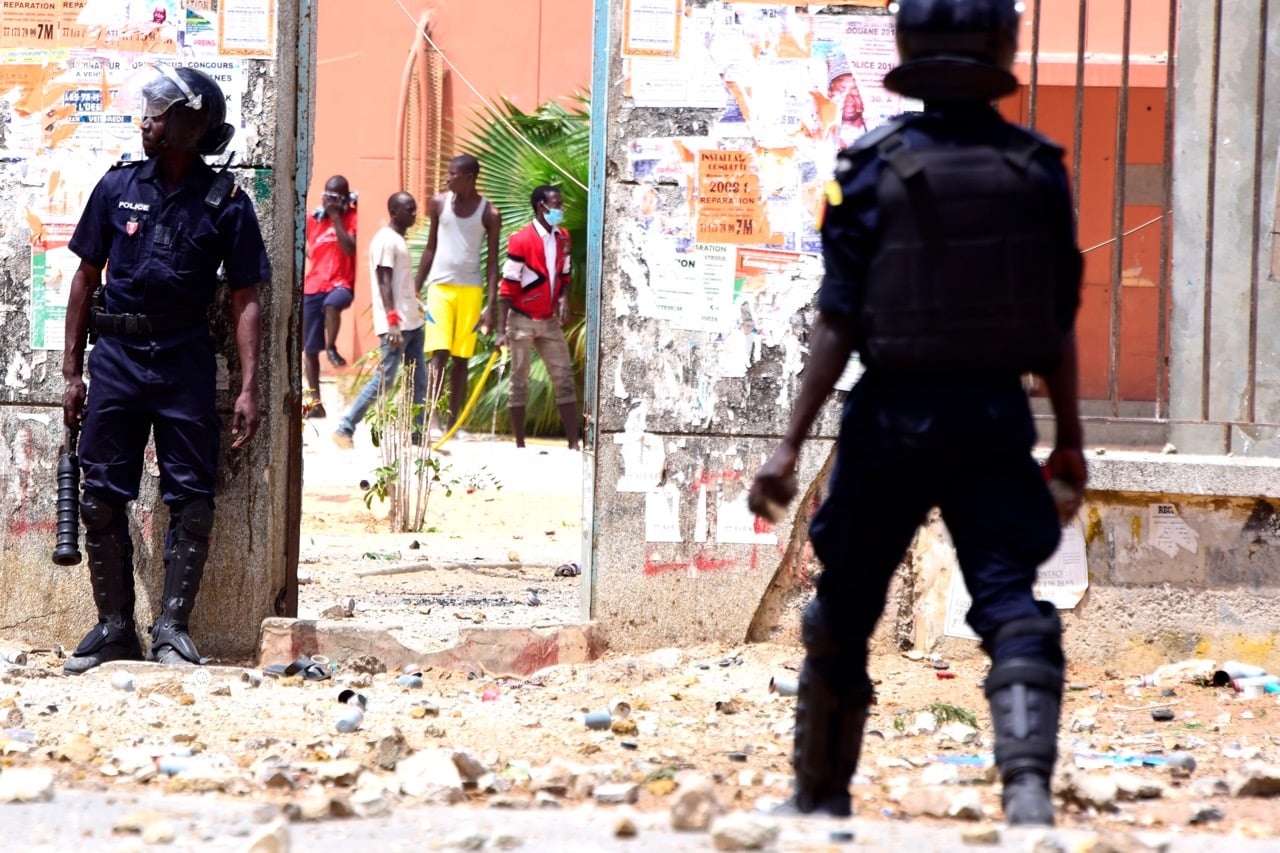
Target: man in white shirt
397 319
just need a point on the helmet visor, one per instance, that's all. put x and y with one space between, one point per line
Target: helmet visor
154 89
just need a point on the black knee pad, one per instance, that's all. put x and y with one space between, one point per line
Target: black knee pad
830 653
195 519
820 642
1047 627
98 513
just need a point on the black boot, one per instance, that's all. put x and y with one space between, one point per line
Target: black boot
184 558
828 743
831 713
1025 695
110 551
1026 701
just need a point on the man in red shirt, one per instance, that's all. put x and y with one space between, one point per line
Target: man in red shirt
533 303
329 285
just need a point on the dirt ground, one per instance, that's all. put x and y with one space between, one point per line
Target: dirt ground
706 709
499 523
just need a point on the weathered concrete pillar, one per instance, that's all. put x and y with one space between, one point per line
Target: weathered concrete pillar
1226 139
47 168
701 343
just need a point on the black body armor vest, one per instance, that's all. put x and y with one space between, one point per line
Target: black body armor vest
965 277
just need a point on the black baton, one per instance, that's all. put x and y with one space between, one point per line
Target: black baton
67 550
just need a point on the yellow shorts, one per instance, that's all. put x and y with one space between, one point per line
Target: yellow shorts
452 313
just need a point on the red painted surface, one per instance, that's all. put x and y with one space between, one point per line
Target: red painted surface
708 480
701 562
20 523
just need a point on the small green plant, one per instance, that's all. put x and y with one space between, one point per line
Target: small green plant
662 773
410 469
950 713
482 479
900 722
384 477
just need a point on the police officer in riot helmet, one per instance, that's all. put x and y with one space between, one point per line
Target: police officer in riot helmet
951 269
192 109
158 231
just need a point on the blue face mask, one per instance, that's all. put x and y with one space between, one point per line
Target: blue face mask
555 216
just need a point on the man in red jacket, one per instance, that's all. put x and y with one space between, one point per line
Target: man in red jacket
329 285
533 303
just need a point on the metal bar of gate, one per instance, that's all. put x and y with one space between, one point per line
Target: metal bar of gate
1117 212
1206 352
1033 93
1077 138
1260 111
1166 225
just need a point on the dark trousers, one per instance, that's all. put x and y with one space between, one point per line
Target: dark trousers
134 389
963 447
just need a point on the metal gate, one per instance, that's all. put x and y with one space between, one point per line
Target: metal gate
1168 125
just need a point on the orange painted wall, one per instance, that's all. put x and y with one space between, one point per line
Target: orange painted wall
529 51
535 50
1138 360
1104 27
1139 297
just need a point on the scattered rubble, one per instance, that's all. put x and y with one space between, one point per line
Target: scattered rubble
740 831
471 740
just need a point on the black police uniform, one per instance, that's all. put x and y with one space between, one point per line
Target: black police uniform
948 429
960 441
951 268
162 253
152 369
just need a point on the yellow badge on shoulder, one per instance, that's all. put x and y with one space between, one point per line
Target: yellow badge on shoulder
834 196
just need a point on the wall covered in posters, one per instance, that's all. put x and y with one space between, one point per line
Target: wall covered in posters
724 122
63 64
63 123
780 91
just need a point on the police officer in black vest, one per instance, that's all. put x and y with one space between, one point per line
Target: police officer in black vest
161 228
951 268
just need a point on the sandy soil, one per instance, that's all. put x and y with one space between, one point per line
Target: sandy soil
706 708
510 518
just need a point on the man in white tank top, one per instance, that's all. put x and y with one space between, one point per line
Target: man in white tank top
457 307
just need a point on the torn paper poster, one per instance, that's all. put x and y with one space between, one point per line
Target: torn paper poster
958 602
735 523
662 515
643 457
1061 580
643 460
700 525
652 28
1168 531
